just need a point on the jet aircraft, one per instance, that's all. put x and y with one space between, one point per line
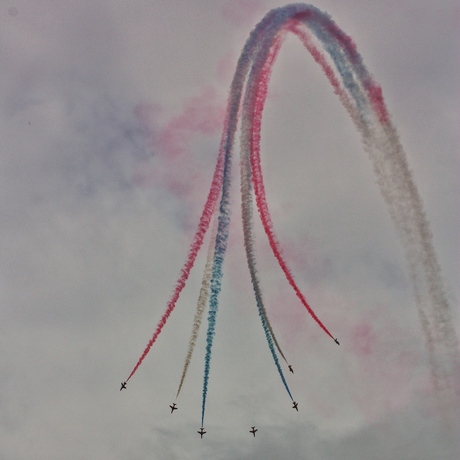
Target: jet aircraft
291 369
336 341
253 431
173 407
123 386
201 432
294 406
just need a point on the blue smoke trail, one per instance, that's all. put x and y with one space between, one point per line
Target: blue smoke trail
216 280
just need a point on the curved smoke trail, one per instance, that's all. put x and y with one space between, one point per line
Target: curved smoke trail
246 208
256 93
362 97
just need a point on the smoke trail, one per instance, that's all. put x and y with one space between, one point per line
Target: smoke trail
201 305
406 209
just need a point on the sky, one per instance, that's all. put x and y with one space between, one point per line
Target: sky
111 114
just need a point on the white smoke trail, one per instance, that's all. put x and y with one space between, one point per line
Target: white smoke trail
406 209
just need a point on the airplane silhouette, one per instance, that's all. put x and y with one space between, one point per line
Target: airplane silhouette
253 431
291 369
294 406
201 432
123 386
173 407
336 341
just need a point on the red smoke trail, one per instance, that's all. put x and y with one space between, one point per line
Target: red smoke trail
261 88
374 92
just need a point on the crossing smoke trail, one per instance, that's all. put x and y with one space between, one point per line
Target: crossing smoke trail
234 102
201 305
362 98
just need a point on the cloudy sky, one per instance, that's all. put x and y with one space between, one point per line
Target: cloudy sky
110 118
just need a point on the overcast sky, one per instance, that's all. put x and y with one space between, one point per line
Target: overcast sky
110 119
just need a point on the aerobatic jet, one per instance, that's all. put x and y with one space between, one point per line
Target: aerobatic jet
123 386
253 431
294 406
173 407
291 369
201 432
336 341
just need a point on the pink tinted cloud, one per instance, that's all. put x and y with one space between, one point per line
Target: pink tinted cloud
200 115
363 338
385 362
381 361
174 165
